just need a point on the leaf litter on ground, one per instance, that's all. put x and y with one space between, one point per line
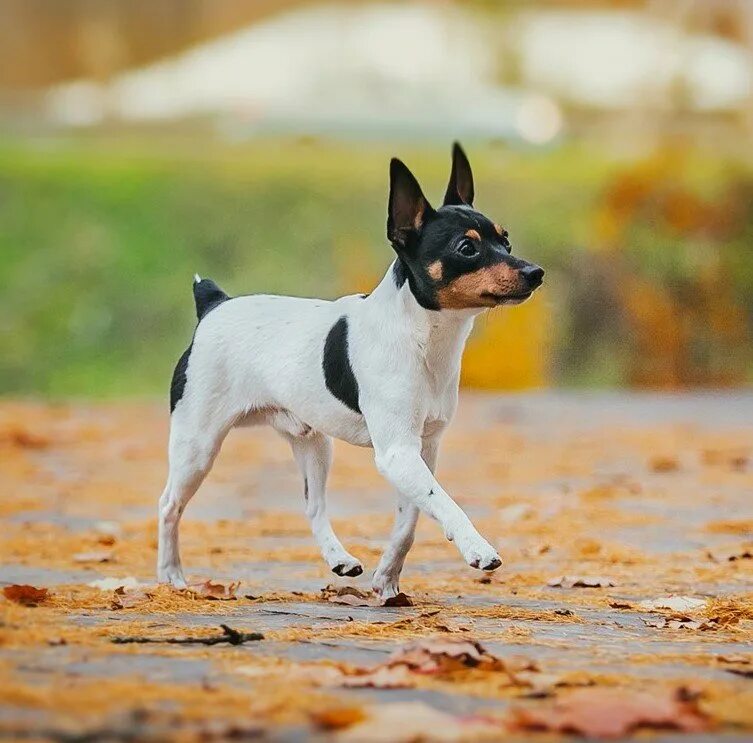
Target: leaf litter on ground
601 712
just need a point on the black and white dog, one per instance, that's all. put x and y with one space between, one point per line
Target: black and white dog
379 370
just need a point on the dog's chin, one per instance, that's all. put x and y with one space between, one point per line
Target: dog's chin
505 300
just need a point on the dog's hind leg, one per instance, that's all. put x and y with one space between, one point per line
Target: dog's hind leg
313 453
386 580
192 453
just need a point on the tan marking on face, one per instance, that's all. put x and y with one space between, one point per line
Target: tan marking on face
473 234
435 270
467 290
499 230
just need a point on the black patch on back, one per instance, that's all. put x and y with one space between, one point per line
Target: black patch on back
338 373
207 296
179 378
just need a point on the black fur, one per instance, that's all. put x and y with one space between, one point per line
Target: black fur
423 236
207 296
338 373
399 272
179 378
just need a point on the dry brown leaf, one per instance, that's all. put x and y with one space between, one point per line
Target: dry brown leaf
616 604
734 459
25 439
680 622
213 591
349 599
440 655
744 672
337 718
352 596
126 598
409 722
610 713
399 600
731 554
579 581
742 660
664 463
25 594
382 677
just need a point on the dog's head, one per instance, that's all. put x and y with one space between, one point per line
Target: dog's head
453 257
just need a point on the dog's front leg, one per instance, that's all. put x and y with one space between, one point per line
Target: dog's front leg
386 580
398 458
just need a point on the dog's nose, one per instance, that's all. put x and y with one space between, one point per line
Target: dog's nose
533 274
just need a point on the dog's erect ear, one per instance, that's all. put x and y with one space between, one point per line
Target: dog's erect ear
408 208
460 187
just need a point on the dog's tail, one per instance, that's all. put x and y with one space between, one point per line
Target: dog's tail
207 295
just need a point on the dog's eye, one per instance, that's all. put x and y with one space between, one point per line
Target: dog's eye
467 249
505 240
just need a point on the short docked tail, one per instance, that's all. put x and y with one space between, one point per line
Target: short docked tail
207 295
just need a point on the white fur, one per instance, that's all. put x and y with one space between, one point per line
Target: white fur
258 359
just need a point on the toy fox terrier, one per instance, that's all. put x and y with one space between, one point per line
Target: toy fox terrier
378 370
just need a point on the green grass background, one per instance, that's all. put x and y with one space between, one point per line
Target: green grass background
100 238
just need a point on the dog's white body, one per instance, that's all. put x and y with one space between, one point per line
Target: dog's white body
258 359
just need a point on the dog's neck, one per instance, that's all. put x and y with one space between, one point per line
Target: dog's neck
439 332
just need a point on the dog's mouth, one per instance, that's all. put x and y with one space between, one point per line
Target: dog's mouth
506 298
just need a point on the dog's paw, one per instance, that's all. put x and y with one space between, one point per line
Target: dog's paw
350 568
485 558
385 586
172 576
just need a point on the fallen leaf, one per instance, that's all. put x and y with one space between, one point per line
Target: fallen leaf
408 722
349 599
681 623
439 655
126 598
214 591
664 463
672 603
337 718
25 594
734 459
25 439
382 677
399 600
731 554
744 672
352 596
599 712
742 660
620 605
579 581
95 556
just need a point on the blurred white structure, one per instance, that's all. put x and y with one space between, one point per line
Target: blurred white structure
420 69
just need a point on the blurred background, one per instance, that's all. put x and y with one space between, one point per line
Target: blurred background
248 140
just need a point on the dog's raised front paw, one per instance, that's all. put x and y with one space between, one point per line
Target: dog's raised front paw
350 568
483 558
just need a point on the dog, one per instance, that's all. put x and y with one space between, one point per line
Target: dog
378 370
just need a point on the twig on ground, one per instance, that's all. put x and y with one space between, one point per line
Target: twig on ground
229 635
